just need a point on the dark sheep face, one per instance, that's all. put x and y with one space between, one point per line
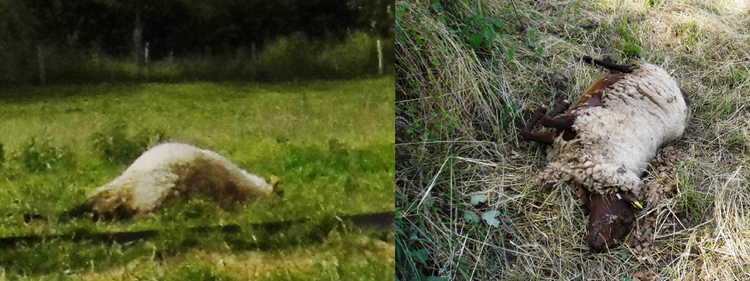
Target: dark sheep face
611 217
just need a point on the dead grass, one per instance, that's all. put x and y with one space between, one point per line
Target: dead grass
460 107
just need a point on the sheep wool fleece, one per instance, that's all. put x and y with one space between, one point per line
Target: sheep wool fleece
170 169
615 142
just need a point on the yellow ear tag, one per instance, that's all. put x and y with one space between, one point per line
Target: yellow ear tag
637 205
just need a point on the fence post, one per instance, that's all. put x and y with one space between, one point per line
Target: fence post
145 58
380 59
145 54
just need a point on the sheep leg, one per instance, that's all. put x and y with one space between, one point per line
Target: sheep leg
77 211
548 137
607 63
562 122
559 108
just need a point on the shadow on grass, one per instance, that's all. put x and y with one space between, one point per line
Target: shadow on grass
77 250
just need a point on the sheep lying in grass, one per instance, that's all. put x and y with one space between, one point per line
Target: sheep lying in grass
605 142
166 171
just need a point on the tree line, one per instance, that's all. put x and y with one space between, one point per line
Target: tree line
34 29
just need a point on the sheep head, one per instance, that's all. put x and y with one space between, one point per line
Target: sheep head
611 217
277 190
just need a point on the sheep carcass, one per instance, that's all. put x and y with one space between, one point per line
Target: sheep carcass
166 171
605 142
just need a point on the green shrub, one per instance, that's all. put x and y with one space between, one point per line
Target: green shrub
296 57
117 147
629 44
356 56
286 58
38 155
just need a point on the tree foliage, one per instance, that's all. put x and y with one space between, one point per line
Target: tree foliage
183 27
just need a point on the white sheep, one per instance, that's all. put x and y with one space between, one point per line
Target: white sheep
166 171
606 141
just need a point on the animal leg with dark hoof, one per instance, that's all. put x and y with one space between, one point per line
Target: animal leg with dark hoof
559 108
548 137
77 211
607 63
562 122
27 218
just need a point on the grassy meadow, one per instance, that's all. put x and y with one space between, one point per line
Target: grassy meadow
329 142
469 74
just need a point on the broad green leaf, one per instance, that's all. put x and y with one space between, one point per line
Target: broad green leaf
471 217
476 199
422 255
399 214
475 40
489 218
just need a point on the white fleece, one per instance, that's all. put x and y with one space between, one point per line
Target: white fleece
170 169
615 143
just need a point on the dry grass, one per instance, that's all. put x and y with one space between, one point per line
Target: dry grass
460 106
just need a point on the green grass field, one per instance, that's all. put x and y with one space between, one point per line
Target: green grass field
330 143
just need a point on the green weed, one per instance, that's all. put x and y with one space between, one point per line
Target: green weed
694 202
38 155
629 44
509 114
117 147
533 37
738 77
690 31
412 255
718 107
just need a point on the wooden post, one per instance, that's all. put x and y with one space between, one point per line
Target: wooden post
380 59
145 54
145 59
